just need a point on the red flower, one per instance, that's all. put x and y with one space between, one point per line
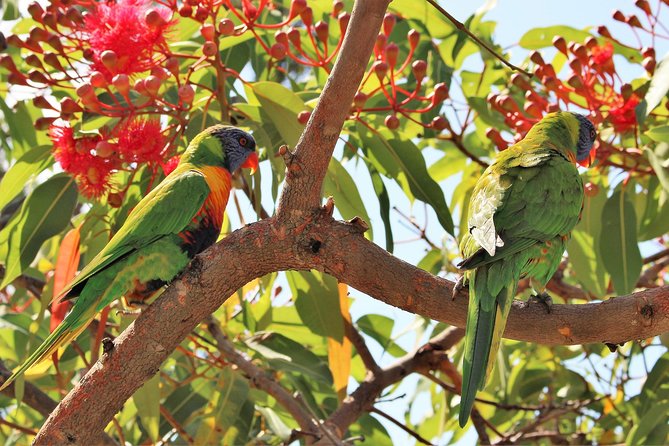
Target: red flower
170 165
601 58
129 31
141 141
76 156
622 115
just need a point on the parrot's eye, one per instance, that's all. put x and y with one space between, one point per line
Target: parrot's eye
593 134
243 141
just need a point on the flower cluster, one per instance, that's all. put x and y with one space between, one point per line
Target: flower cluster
591 84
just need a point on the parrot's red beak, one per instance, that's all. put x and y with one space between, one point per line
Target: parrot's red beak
251 162
587 162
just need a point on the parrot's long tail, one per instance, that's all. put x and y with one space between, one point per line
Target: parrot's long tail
66 331
486 319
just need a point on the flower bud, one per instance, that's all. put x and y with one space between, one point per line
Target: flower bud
42 102
296 8
603 31
381 69
39 34
278 51
55 43
344 18
209 49
440 93
295 38
85 91
391 52
414 37
122 83
307 16
322 31
535 57
52 60
43 123
208 32
115 199
649 64
419 68
201 13
98 80
226 27
388 24
34 61
186 10
303 117
337 7
282 38
152 85
619 16
439 123
153 19
626 91
360 99
37 77
560 44
36 11
69 105
172 65
186 93
109 60
392 122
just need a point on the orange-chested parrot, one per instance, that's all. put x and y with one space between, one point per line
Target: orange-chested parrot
178 219
521 213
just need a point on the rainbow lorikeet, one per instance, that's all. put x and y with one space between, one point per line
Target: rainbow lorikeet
178 219
521 213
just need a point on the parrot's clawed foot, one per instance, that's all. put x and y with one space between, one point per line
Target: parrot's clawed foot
543 299
459 285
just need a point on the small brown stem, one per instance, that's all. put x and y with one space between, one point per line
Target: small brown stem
402 426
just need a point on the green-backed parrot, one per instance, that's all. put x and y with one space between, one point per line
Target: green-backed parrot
521 213
178 219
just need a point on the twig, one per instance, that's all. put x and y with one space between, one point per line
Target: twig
656 256
480 42
360 346
402 426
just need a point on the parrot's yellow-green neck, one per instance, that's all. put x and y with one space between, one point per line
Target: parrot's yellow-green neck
560 130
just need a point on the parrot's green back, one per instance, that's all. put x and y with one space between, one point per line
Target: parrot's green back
176 220
520 215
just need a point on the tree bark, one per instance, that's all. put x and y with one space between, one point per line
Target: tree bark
287 241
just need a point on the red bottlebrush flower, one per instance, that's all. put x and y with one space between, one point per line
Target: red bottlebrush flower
622 115
75 155
123 28
141 140
170 165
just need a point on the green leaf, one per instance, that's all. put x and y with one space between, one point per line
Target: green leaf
45 213
31 163
639 433
659 134
583 248
10 9
339 183
285 354
380 328
659 161
655 219
282 107
275 423
403 161
538 38
147 402
618 242
659 86
384 205
232 392
317 302
432 262
20 125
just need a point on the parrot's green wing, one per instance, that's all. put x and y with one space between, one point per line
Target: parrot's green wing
532 198
165 210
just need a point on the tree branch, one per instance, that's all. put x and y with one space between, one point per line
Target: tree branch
304 178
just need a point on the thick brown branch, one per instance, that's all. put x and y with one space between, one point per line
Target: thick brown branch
302 191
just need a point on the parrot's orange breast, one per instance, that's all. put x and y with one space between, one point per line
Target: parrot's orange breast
219 182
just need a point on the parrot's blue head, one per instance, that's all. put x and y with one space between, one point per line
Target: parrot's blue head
238 147
586 137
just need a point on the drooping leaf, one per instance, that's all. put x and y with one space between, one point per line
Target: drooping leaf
384 205
147 402
659 160
282 106
380 328
402 160
275 423
583 248
45 213
232 391
285 354
317 302
618 242
340 185
659 86
31 163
